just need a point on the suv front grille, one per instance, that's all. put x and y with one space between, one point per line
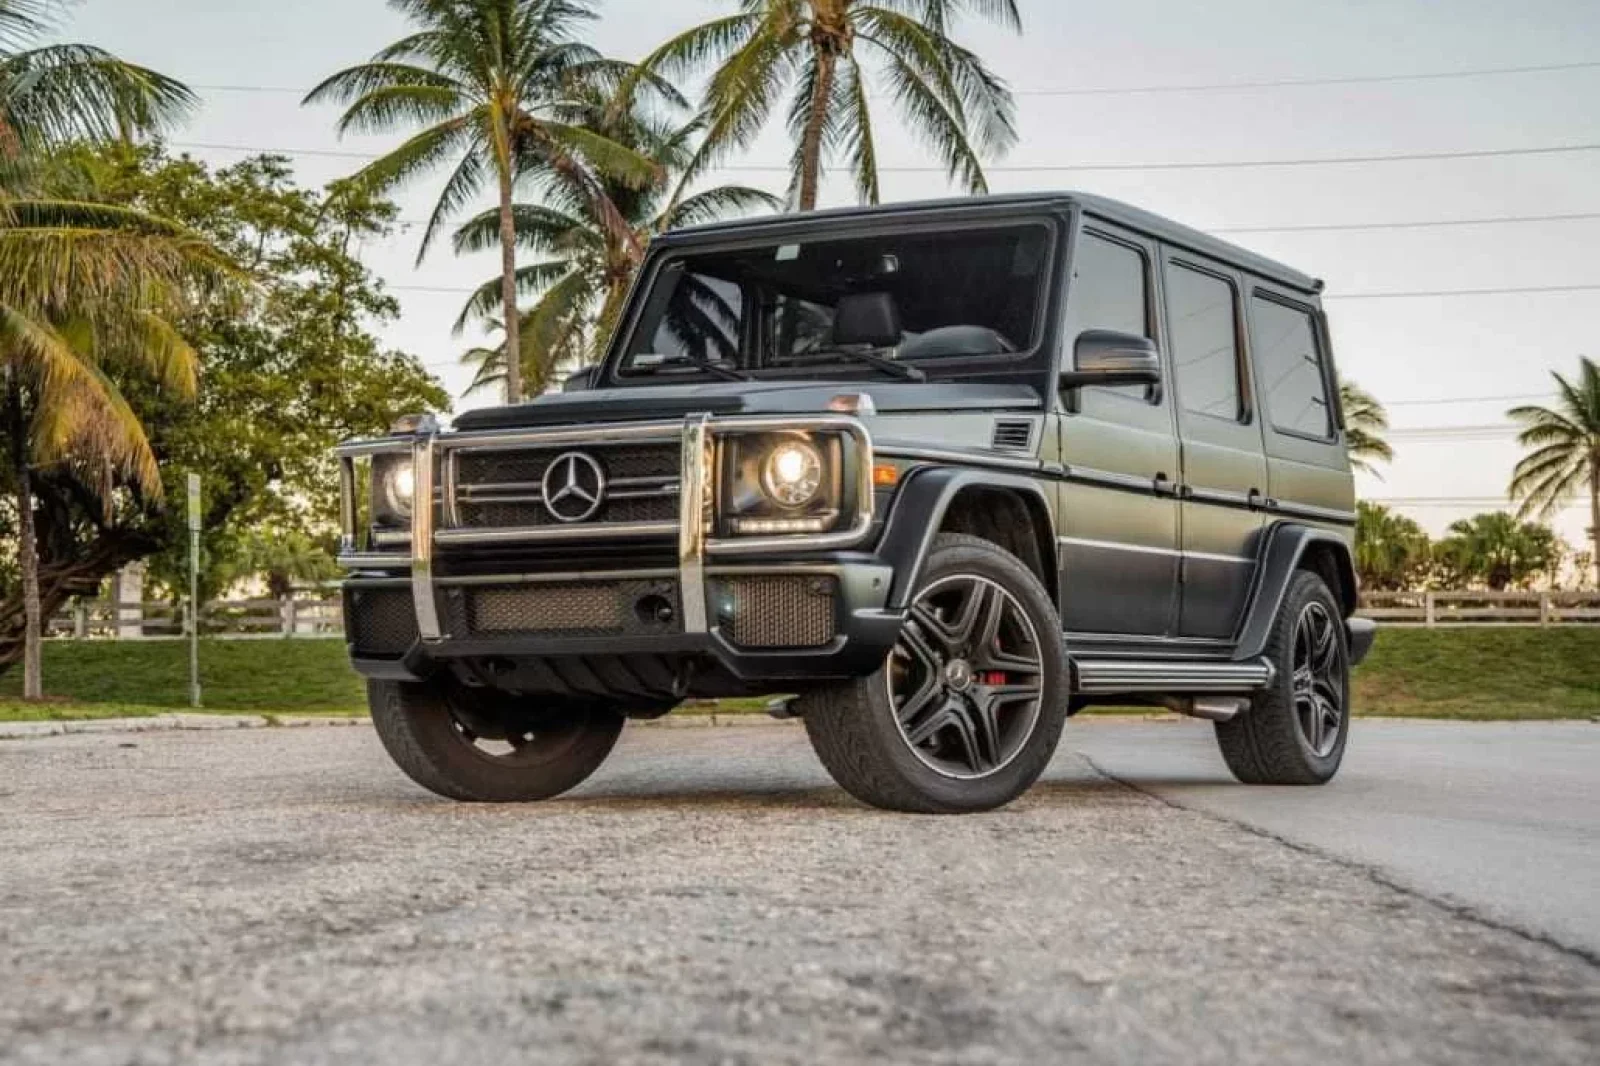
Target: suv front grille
499 489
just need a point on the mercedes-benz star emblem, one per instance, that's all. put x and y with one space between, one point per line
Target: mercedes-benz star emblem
574 487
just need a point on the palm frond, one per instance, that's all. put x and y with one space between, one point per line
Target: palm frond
65 92
485 299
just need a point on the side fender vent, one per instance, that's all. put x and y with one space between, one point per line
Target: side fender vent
1013 435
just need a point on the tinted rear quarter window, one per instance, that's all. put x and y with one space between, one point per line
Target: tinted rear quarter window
1289 368
1205 342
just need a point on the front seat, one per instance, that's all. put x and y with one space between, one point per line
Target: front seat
871 319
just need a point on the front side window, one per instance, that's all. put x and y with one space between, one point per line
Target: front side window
1205 342
921 298
1289 370
1109 292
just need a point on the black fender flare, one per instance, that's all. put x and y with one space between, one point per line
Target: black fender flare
918 512
1286 545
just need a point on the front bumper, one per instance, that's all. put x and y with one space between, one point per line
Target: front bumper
659 661
651 631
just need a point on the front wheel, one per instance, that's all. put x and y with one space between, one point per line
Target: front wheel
968 708
487 746
1295 730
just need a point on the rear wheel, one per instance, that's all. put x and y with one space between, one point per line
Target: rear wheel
967 710
1295 730
487 746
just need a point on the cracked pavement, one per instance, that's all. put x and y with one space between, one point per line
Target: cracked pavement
285 895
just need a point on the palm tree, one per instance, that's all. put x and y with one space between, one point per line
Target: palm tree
484 79
84 287
87 291
1498 550
1566 455
816 50
587 265
1392 551
1365 421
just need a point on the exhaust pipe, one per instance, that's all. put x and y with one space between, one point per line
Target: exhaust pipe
1211 708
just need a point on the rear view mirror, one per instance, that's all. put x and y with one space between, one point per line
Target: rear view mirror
582 380
1106 357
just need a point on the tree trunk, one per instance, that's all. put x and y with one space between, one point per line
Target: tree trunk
811 140
27 548
508 290
1594 514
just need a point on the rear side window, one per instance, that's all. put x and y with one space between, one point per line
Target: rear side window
1283 340
1205 342
1109 292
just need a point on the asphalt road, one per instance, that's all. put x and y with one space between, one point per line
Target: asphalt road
283 895
1499 817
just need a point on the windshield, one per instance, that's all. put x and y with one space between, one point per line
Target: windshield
895 305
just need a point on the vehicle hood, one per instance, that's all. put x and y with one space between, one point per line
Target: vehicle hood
637 403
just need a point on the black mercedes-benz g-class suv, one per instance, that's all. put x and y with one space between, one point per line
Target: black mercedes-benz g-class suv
944 472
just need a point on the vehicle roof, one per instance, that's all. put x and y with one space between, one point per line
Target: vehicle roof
1135 218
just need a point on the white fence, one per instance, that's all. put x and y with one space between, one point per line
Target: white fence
1482 608
242 619
238 619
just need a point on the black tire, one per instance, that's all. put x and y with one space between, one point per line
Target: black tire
1274 741
434 731
855 726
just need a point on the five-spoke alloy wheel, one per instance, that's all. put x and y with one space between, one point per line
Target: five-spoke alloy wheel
1318 681
968 707
1295 730
966 677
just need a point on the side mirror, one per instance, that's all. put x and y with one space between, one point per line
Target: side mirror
582 380
1106 357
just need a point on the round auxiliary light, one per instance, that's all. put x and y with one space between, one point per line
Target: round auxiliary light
792 473
399 487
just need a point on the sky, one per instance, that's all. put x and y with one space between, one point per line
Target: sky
251 62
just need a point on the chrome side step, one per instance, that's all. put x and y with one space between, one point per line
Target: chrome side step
1130 676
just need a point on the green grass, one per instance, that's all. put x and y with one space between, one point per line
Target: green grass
1482 672
152 676
1488 672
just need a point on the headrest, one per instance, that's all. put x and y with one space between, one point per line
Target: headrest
869 318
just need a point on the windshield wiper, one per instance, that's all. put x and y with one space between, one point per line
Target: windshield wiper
873 359
723 372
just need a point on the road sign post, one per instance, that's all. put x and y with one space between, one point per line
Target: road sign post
194 590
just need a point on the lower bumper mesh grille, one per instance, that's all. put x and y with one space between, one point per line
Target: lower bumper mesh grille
381 622
587 609
777 611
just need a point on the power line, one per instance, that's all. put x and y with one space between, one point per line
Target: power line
1443 433
1040 168
1142 90
1293 83
1459 501
1494 220
1466 292
1521 398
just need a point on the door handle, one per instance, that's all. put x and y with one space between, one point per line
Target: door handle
1163 485
1256 501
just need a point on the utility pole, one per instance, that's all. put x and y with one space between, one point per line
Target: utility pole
194 590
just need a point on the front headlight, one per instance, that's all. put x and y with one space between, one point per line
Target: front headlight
791 476
394 487
776 483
